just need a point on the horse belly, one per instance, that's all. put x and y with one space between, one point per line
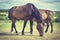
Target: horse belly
19 15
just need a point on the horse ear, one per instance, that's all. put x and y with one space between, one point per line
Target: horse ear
32 7
45 11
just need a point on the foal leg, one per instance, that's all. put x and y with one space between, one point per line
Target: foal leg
47 27
51 27
31 24
25 22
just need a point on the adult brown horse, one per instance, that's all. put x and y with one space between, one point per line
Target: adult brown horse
47 16
26 12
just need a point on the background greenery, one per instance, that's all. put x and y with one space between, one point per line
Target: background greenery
4 15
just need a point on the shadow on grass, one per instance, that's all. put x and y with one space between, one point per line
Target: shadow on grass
14 34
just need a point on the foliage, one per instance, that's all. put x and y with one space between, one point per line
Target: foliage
3 16
57 16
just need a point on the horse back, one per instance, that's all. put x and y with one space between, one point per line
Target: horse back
50 14
46 14
19 12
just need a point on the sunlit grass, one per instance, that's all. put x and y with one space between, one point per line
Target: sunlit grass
5 27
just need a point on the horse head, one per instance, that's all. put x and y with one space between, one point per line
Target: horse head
39 20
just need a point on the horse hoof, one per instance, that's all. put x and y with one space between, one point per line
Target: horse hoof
16 32
30 32
41 35
51 32
45 31
22 33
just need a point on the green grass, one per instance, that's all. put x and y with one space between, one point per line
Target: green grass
5 34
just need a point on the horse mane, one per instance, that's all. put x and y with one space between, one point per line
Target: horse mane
37 14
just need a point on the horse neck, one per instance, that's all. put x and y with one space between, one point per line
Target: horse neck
37 16
35 12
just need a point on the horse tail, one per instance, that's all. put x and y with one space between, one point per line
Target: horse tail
10 12
9 15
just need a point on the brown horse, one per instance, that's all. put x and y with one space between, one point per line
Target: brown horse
26 12
46 16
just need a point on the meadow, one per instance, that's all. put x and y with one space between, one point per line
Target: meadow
5 30
5 34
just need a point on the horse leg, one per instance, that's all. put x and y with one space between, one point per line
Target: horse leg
47 27
31 24
51 27
25 22
13 26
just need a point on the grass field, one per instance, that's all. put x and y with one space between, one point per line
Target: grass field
5 34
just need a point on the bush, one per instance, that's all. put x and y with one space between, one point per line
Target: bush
2 14
57 20
3 17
